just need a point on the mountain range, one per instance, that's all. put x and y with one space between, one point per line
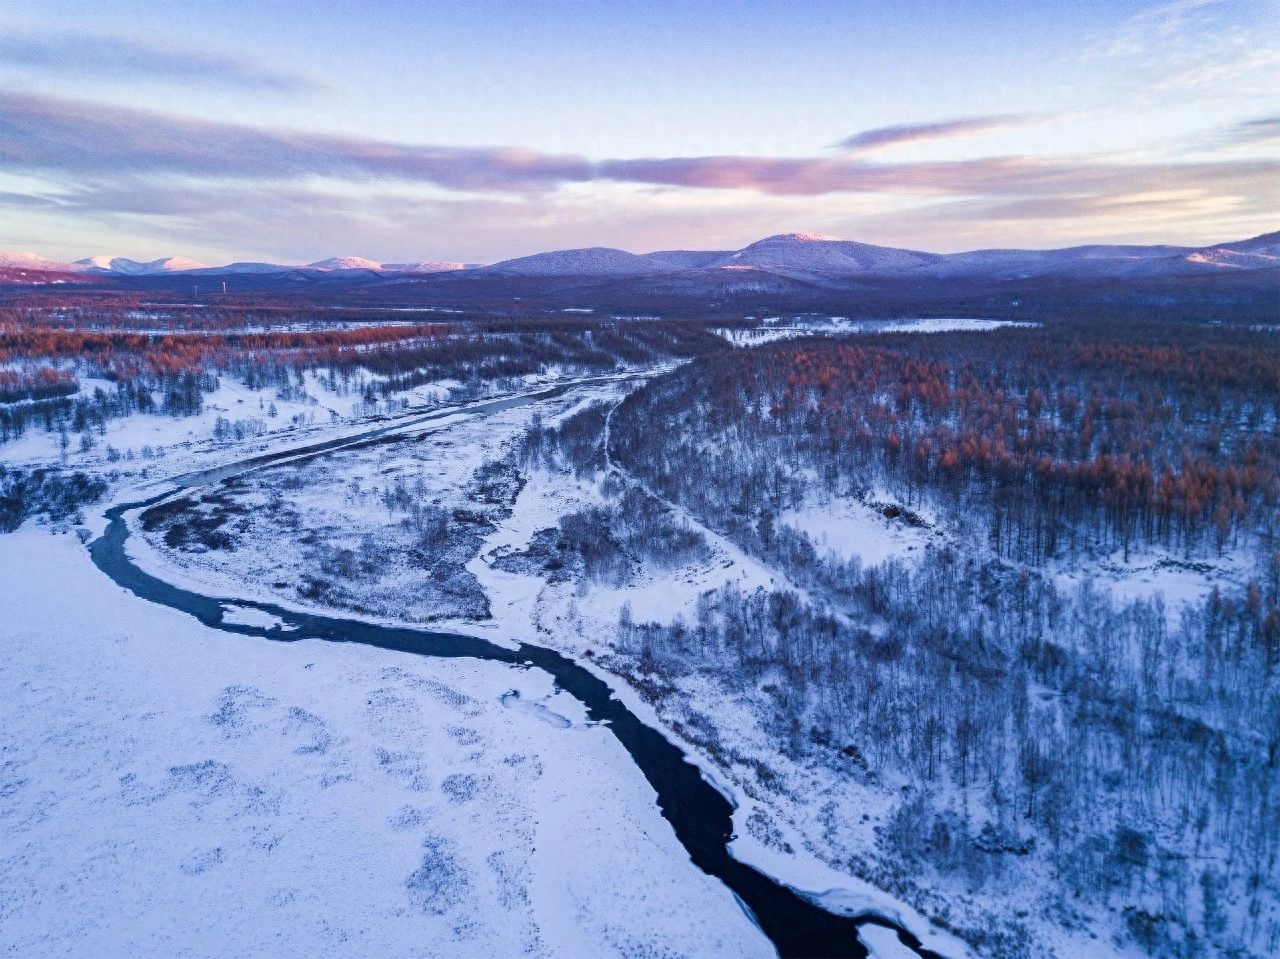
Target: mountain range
808 257
123 266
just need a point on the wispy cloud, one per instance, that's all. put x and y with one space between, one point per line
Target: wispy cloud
185 177
47 134
34 201
78 139
899 135
986 176
1247 132
1196 48
94 56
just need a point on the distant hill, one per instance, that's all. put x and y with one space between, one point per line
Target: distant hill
788 271
121 264
594 261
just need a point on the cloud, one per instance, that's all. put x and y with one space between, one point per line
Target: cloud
1261 130
46 134
989 176
145 173
67 138
1195 48
882 137
98 56
9 198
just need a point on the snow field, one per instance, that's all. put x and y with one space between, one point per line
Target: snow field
169 790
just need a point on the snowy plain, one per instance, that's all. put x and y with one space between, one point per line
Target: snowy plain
170 790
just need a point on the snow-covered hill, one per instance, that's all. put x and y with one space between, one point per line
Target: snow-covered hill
1084 261
250 267
345 263
594 261
1258 253
32 261
817 253
425 266
686 259
121 264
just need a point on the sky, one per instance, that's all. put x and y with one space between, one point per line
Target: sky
415 130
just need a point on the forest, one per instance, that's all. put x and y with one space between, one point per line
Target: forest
1129 746
1059 442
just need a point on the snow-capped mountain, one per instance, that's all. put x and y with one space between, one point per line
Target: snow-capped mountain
32 261
339 264
128 267
345 263
249 267
428 266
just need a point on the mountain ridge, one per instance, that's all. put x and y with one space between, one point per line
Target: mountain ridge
798 256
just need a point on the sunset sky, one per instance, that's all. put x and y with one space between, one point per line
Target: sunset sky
480 130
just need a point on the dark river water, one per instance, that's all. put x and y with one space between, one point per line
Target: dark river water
700 815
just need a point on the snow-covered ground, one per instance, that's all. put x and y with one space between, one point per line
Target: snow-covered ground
839 325
339 502
1149 574
175 436
155 445
812 826
858 528
169 790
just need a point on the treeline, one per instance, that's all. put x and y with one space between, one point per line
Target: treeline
41 383
178 395
166 372
122 354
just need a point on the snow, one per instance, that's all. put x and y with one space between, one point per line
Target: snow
425 266
163 782
839 326
884 943
818 253
32 261
561 615
119 264
598 261
249 616
835 890
578 619
182 444
232 400
785 828
851 528
345 263
946 325
1179 582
